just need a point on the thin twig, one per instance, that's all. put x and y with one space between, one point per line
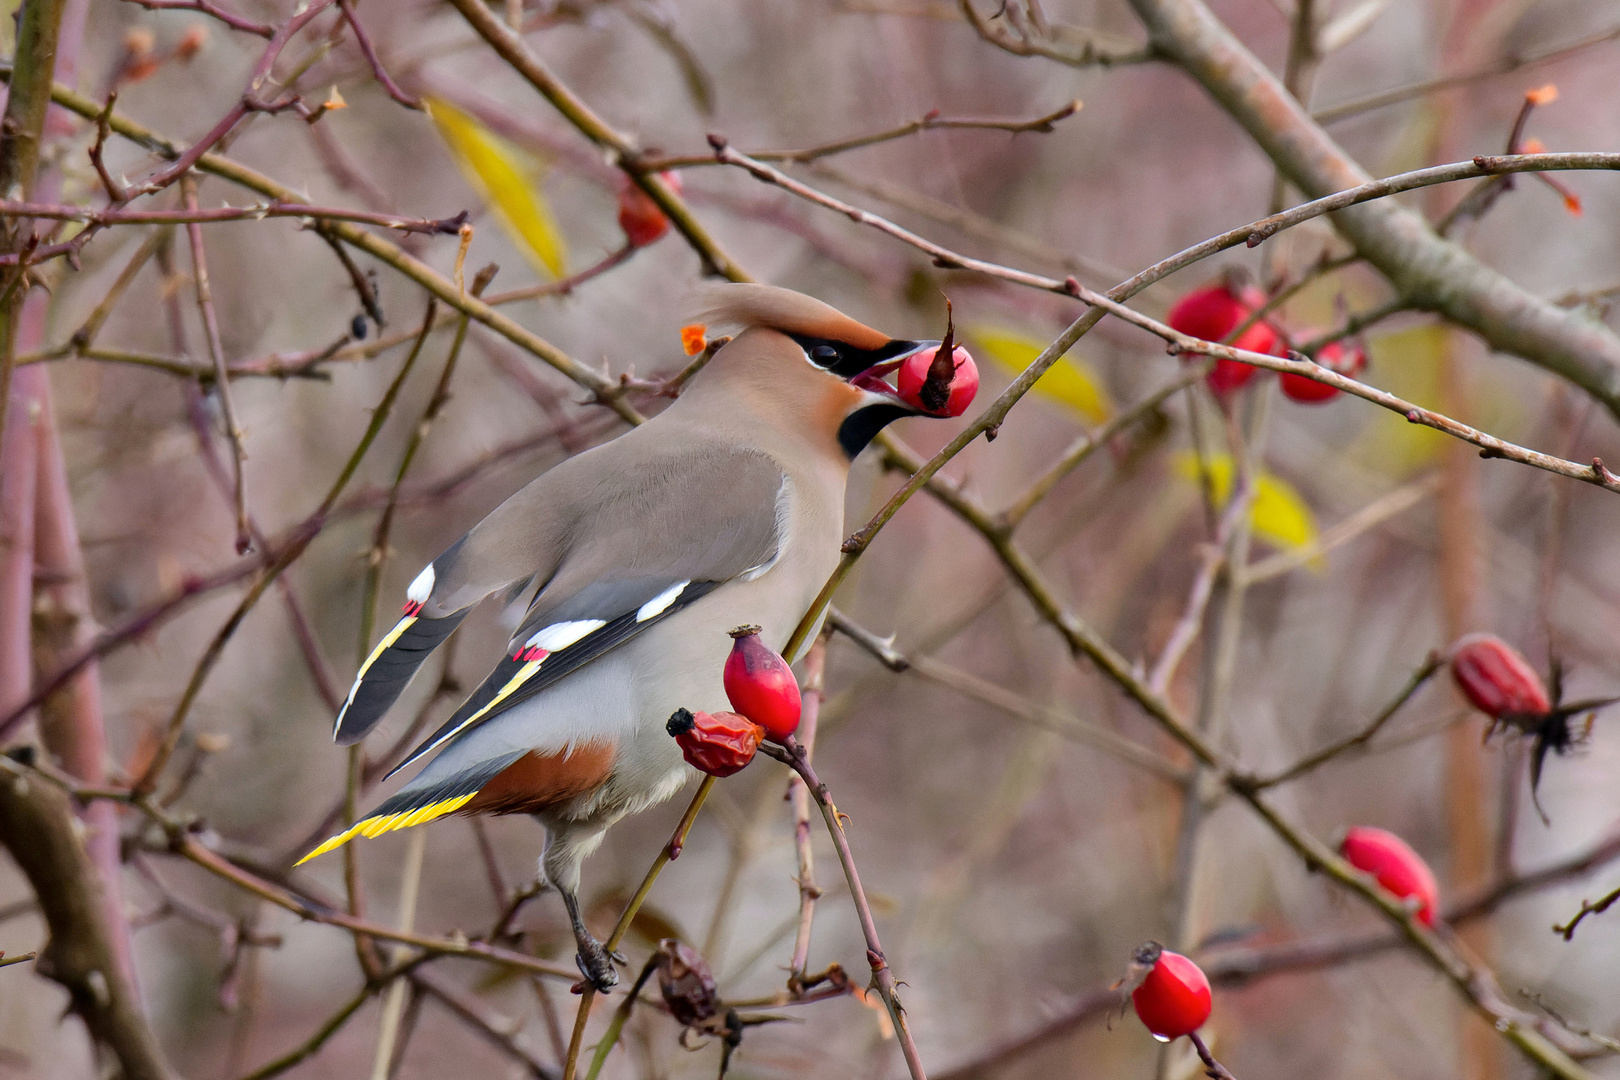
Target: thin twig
793 756
195 215
932 121
666 855
222 382
370 53
811 693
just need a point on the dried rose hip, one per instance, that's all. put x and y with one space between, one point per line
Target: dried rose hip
1399 870
1336 356
1212 313
641 219
1497 679
687 984
1173 999
760 684
716 743
963 386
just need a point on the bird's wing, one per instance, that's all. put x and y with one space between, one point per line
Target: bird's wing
654 542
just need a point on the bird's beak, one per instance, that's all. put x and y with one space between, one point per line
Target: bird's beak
874 380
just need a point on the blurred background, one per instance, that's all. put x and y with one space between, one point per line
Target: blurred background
1013 862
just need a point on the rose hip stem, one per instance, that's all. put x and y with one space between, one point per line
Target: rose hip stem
791 754
1214 1069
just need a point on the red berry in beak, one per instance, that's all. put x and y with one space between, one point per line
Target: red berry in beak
760 684
949 399
716 743
1212 313
1399 870
1173 999
1335 356
1499 681
640 217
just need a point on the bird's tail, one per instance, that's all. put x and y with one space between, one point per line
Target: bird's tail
417 806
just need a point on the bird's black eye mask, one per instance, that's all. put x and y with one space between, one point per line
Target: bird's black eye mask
845 360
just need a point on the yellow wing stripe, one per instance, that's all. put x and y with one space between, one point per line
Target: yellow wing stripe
382 646
522 676
376 826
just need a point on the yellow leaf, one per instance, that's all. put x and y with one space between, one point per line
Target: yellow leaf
506 180
1068 382
1278 515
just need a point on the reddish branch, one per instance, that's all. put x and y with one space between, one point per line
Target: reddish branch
370 53
37 824
793 755
235 22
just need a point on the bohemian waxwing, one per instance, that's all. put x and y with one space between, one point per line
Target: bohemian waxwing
635 559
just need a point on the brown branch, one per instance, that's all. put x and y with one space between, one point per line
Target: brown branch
811 694
1427 272
38 826
272 570
189 847
193 215
623 154
370 53
467 1009
1491 446
247 103
1588 907
1504 66
222 382
21 128
235 22
931 121
1321 757
1024 39
793 756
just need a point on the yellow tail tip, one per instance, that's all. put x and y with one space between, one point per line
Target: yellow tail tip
381 823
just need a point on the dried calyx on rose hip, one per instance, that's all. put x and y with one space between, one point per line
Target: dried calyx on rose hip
1213 313
1499 682
941 381
760 684
1398 869
1171 994
719 743
1337 356
642 220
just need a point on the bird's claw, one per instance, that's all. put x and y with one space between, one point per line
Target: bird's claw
596 964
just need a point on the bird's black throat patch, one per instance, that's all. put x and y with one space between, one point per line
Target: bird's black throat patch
861 426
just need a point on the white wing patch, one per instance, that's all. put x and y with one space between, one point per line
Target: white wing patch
422 587
559 636
660 603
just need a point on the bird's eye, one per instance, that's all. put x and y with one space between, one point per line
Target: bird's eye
824 356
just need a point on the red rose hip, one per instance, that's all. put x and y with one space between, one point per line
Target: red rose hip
719 743
760 684
963 386
1497 679
1399 870
1335 356
1212 313
1173 999
640 218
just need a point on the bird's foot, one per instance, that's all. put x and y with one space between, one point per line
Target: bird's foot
596 964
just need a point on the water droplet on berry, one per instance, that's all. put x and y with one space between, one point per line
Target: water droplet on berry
1161 1038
